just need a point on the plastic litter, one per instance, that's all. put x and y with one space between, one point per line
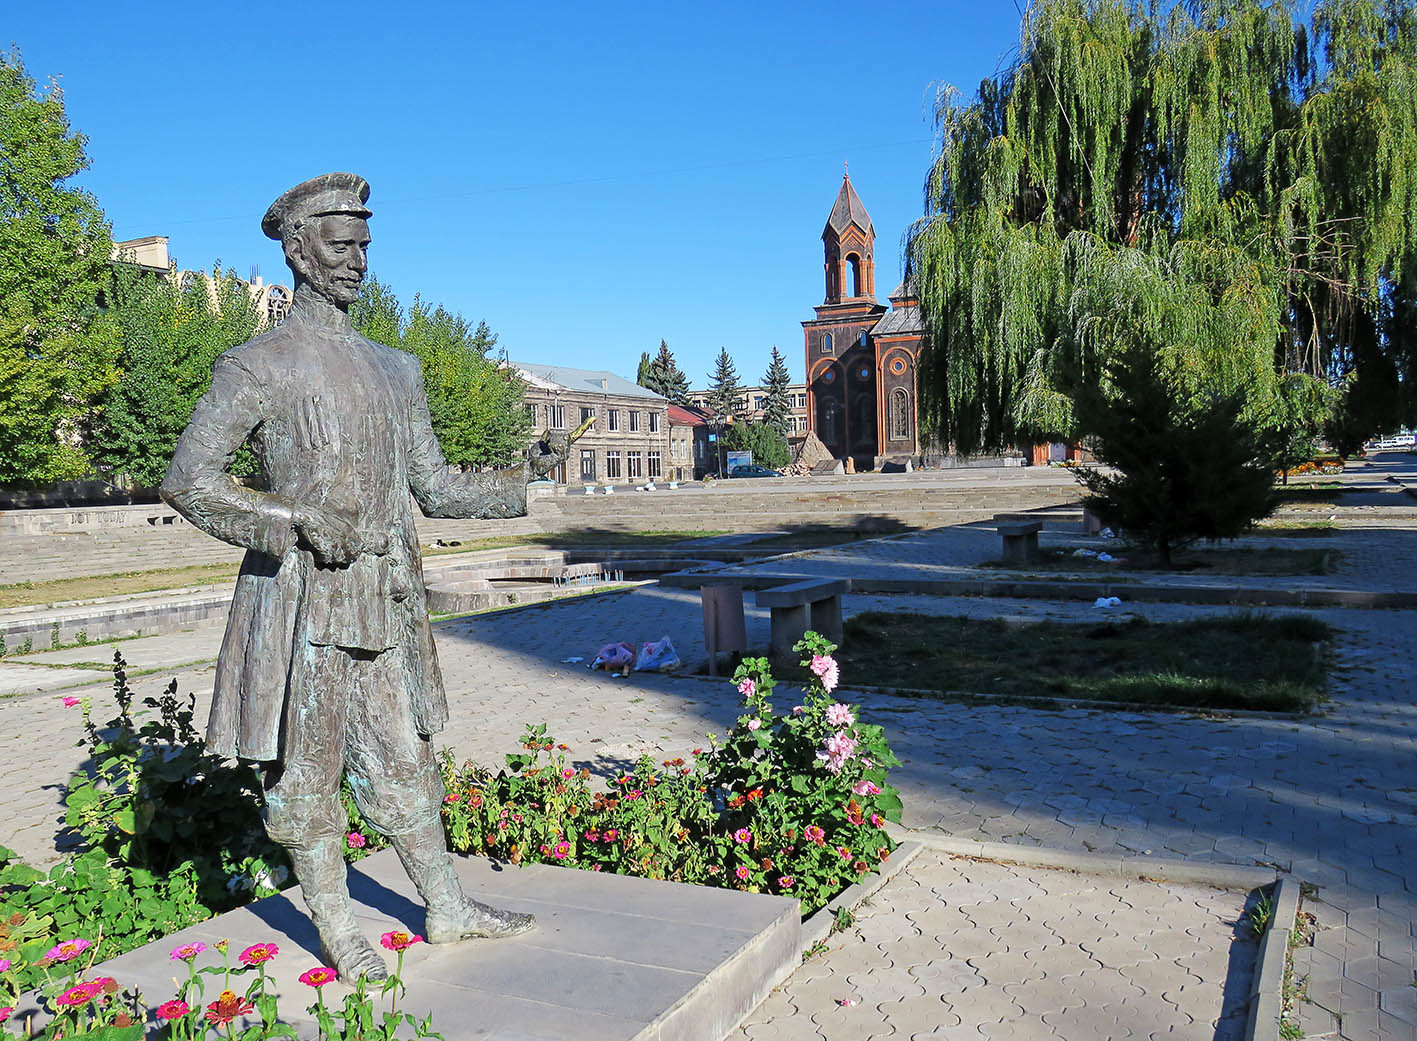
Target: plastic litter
1107 601
1106 558
1107 533
1084 552
615 656
571 660
659 655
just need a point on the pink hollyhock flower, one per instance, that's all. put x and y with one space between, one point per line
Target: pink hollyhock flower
399 941
258 953
812 833
836 751
187 951
355 840
754 724
824 666
748 687
743 836
742 873
839 715
318 976
797 710
68 950
174 1009
865 787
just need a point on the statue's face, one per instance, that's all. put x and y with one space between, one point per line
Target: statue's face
331 255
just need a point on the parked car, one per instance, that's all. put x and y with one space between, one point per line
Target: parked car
752 470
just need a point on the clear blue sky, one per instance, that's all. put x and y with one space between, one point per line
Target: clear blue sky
587 178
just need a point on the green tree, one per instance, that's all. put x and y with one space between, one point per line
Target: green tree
779 403
725 393
1270 165
57 349
475 402
767 443
171 332
1180 463
662 376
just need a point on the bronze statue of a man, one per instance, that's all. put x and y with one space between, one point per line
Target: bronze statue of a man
327 669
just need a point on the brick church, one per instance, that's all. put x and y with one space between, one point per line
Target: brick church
862 356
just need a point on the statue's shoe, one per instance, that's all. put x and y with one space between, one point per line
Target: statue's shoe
352 956
473 919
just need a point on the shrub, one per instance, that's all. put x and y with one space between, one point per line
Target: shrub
792 803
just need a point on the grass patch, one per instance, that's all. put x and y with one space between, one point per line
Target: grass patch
1297 529
1268 561
560 539
122 583
1245 660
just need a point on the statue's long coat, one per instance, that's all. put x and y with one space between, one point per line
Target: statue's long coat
339 422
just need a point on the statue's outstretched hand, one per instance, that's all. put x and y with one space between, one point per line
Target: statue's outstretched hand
547 454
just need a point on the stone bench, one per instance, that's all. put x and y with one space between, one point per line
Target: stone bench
1020 539
813 603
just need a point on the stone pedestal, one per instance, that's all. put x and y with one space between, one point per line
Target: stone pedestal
612 958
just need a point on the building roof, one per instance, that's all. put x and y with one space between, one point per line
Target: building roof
900 321
594 381
687 416
904 291
847 210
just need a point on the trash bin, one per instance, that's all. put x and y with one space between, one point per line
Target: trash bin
724 625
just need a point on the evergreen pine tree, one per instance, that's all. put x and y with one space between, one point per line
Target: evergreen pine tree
643 372
779 403
725 395
665 377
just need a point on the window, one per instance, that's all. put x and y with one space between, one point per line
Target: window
799 401
531 414
634 462
612 419
587 464
654 422
760 402
612 462
900 414
864 338
556 417
634 421
587 413
654 468
826 343
853 263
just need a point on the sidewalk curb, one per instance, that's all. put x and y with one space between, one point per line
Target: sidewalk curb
1163 869
1267 990
819 926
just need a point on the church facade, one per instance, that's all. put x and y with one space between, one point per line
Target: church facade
862 355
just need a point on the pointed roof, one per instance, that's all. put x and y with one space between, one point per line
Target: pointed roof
847 210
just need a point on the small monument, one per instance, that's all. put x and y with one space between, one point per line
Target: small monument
327 669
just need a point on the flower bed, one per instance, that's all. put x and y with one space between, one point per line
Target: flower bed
793 803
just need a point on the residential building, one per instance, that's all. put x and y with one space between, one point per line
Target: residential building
690 451
629 440
151 254
862 356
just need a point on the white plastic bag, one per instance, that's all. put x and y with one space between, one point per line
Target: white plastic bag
1107 601
659 655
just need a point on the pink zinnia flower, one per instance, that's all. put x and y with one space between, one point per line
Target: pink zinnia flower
865 787
748 687
318 976
68 950
356 840
451 797
797 710
4 964
742 873
839 715
562 850
611 834
227 1007
824 665
174 1009
877 820
786 882
743 836
399 941
187 951
568 773
258 953
754 724
6 1012
812 833
76 997
70 702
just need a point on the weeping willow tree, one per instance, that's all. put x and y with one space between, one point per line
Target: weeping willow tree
1234 179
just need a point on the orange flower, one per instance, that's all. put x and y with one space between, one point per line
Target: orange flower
226 1008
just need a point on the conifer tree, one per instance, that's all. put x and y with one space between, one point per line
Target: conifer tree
642 372
725 394
779 402
662 375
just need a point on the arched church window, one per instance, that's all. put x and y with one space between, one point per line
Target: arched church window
900 414
854 264
826 343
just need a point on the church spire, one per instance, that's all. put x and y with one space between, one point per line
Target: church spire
849 241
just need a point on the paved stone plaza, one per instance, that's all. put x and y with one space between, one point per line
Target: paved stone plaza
1330 797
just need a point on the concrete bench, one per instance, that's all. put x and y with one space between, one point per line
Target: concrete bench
1020 539
813 603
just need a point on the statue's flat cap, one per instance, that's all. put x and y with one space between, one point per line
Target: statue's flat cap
321 196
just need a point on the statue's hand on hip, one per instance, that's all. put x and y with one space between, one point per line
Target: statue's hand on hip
327 535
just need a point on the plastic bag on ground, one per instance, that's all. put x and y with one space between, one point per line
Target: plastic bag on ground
614 656
1107 601
659 655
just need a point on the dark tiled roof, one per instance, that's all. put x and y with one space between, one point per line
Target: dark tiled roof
848 209
899 321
